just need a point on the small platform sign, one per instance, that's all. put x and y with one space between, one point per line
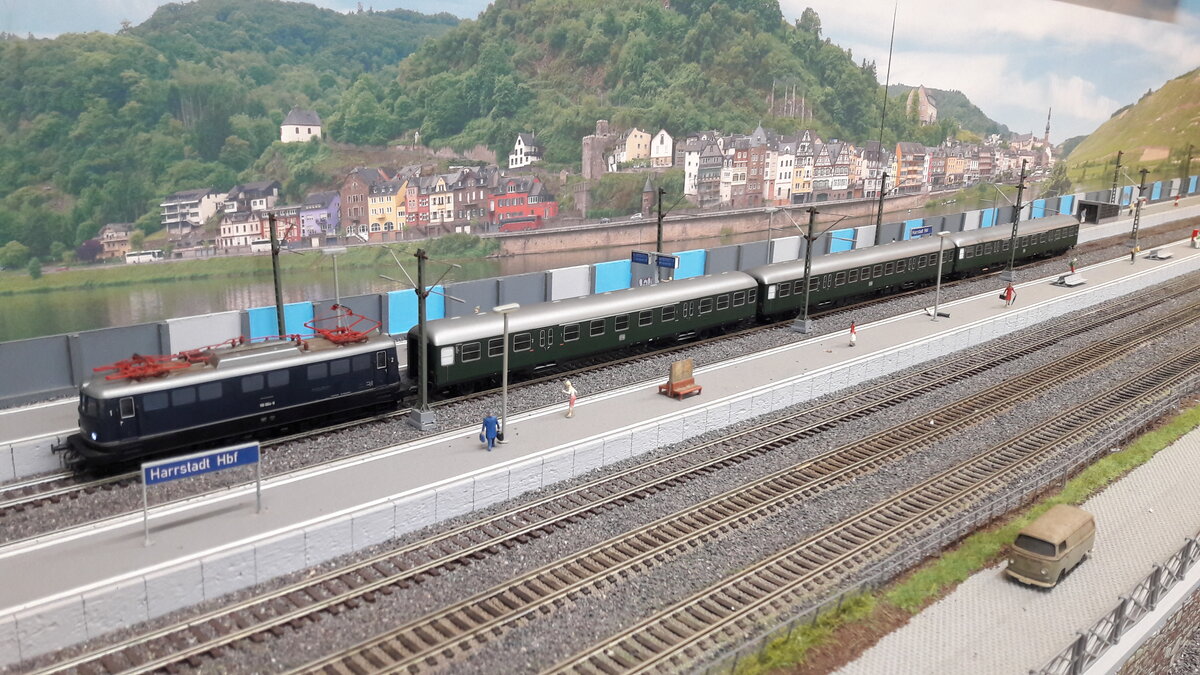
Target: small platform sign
640 257
918 232
175 468
667 261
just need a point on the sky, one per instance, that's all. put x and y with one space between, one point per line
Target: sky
1013 59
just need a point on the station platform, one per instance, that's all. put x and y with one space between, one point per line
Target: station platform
991 624
101 578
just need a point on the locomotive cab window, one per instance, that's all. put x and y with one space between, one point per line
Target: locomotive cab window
126 407
470 351
380 360
89 406
570 332
668 313
522 342
621 323
596 328
645 317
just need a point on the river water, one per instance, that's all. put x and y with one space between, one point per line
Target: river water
37 314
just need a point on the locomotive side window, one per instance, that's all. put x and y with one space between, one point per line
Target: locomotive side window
596 328
621 323
570 333
522 342
495 347
839 279
339 367
210 391
705 306
447 356
185 396
722 302
361 362
126 407
646 316
381 359
252 383
470 351
155 401
278 378
668 313
739 298
318 371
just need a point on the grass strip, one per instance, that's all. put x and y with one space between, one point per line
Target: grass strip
937 578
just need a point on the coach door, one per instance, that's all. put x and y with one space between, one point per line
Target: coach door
545 339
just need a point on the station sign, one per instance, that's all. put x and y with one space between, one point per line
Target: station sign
640 257
918 232
166 470
666 261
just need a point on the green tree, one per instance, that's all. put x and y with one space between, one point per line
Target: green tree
34 268
14 255
1060 183
137 239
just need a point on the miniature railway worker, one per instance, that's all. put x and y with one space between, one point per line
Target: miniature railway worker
491 428
1009 294
1074 262
853 334
1133 254
569 390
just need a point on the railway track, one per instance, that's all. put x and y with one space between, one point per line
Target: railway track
381 574
676 637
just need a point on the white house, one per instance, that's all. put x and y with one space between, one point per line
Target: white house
300 126
662 150
526 151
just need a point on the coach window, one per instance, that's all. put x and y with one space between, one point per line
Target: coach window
1042 238
827 281
570 332
522 342
922 262
706 305
852 277
864 273
785 290
771 290
646 317
752 295
596 328
798 287
722 302
668 313
814 283
252 383
495 347
155 401
900 265
127 407
1004 245
839 279
318 371
339 367
739 298
621 322
447 356
380 360
877 271
889 268
470 351
185 396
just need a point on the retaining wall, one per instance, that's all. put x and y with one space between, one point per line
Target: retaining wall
37 628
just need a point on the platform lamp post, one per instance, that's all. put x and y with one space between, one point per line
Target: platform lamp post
770 217
505 310
937 295
335 251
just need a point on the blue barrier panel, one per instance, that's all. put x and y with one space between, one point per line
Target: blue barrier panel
1192 185
402 309
263 319
613 276
1156 192
1066 205
1126 195
691 264
842 240
989 218
910 224
1039 209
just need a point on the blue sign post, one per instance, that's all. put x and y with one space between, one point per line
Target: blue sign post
665 261
167 470
640 257
918 232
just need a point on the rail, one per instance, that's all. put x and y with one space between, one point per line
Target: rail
1056 472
